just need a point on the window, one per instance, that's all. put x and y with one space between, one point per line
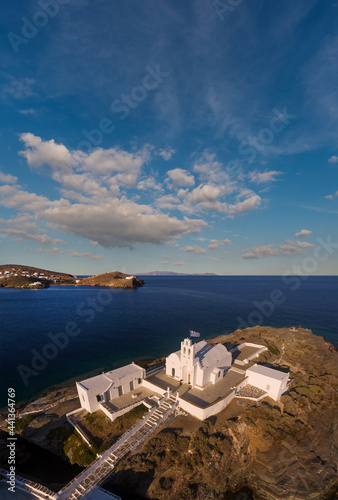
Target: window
173 372
120 391
188 352
138 380
98 398
184 351
131 385
83 398
219 374
268 387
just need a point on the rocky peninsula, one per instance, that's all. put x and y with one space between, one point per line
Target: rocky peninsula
115 279
279 451
19 276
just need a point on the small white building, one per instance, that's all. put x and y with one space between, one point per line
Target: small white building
273 381
110 385
198 364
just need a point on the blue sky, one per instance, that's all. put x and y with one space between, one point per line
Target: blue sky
193 136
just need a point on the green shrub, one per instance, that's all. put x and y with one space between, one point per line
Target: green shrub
273 350
21 423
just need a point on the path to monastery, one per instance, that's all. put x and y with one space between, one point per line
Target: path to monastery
102 467
98 471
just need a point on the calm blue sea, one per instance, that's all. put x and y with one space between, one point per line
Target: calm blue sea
107 328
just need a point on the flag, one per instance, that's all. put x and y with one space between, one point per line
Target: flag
194 334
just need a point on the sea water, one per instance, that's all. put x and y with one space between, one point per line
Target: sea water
108 330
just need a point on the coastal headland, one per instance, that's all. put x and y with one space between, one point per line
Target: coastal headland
279 450
20 276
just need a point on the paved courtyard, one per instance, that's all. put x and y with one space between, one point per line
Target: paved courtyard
164 381
245 353
212 393
131 397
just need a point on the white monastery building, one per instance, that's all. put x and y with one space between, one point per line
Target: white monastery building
198 364
274 382
193 375
110 385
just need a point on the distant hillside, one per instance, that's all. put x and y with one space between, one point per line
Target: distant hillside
18 276
114 279
171 273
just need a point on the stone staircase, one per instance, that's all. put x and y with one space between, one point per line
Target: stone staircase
127 444
236 369
36 489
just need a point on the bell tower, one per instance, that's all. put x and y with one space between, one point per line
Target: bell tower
187 352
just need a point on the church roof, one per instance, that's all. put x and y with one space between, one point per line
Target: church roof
207 355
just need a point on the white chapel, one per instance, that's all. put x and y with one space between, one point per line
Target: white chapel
198 364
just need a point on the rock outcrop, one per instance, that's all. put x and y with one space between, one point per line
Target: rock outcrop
114 279
281 451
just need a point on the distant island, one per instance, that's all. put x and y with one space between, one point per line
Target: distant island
20 276
171 273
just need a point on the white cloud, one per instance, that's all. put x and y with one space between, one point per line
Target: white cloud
193 249
149 184
214 259
261 177
51 251
245 206
178 263
268 251
119 222
166 153
304 244
303 232
332 196
167 202
333 159
15 197
39 152
7 178
166 256
165 262
213 244
179 178
87 255
216 243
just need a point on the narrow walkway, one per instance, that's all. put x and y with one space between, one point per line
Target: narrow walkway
103 466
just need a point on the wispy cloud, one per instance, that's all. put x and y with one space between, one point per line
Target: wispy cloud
87 255
268 251
193 249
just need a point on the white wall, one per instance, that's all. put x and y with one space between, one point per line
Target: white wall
173 361
153 387
273 387
203 413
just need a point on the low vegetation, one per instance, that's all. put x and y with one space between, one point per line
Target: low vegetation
104 432
21 423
